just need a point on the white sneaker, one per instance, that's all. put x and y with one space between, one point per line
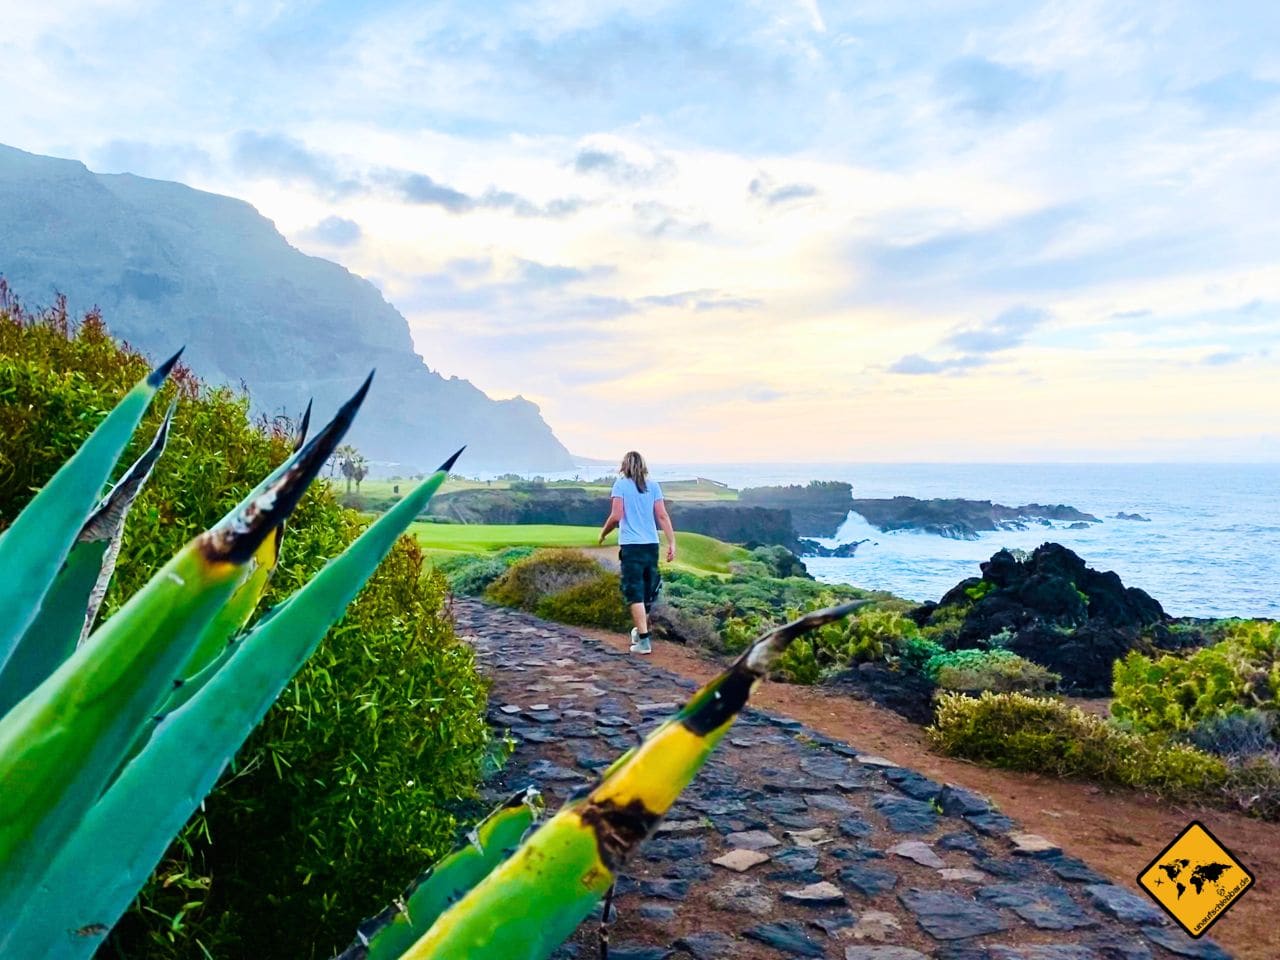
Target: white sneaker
638 645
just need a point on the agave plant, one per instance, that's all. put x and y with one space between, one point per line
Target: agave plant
111 743
113 736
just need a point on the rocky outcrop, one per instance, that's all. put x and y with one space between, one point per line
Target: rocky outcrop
169 265
962 519
1131 516
812 548
817 509
1050 608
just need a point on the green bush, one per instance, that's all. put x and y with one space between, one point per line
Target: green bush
916 652
469 575
871 634
1175 694
348 785
1020 732
1001 671
944 623
798 664
1238 735
541 574
594 603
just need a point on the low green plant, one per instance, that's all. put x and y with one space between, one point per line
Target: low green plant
470 574
592 603
944 623
916 652
1000 671
1020 732
1248 733
798 664
1174 694
539 575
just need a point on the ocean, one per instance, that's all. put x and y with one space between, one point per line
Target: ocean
1212 548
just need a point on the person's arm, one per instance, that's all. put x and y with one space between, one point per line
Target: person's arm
615 518
664 521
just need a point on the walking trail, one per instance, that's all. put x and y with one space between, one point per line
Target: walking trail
791 843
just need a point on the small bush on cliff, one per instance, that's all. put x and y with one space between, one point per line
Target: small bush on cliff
541 574
1019 732
593 603
1000 671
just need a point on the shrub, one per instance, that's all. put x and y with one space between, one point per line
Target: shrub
347 786
470 574
944 623
541 574
798 664
1019 732
1237 735
871 634
997 670
916 652
1174 694
593 603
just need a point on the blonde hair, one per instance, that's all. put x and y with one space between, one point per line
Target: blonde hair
633 467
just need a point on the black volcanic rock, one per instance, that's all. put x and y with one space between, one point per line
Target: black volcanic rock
1131 516
817 509
962 519
812 548
1056 611
169 265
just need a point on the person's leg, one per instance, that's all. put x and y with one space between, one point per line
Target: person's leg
640 617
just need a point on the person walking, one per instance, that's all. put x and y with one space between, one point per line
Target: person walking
637 511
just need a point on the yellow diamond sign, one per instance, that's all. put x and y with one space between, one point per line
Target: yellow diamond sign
1195 879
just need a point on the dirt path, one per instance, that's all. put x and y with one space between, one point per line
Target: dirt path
1116 831
844 794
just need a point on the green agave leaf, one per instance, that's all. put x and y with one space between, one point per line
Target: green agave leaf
532 901
96 874
33 548
72 603
395 929
60 745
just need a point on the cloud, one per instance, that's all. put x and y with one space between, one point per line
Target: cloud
988 89
700 300
544 275
766 191
915 365
1006 331
280 157
615 165
975 343
1233 95
1223 358
334 232
657 219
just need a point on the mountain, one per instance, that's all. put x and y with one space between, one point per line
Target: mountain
169 265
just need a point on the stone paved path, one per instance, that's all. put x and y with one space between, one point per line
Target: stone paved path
790 844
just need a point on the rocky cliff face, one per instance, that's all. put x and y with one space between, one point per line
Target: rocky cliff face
169 265
963 519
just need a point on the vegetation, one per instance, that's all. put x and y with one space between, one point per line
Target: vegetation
545 573
1178 694
594 603
319 788
997 670
1020 732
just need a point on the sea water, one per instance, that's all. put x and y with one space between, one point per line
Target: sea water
1212 548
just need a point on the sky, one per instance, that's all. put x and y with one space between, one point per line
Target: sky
771 231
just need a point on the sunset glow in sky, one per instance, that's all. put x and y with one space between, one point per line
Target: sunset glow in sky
762 231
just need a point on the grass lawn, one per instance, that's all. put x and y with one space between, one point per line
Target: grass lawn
697 554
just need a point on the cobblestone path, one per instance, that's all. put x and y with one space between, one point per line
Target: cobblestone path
790 844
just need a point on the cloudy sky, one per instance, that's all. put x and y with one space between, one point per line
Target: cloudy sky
756 231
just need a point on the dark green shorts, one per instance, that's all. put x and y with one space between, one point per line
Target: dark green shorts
640 578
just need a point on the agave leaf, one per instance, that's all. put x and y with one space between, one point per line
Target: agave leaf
96 874
388 935
33 548
228 621
60 745
532 901
72 603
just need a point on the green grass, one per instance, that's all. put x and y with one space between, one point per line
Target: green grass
674 490
696 554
